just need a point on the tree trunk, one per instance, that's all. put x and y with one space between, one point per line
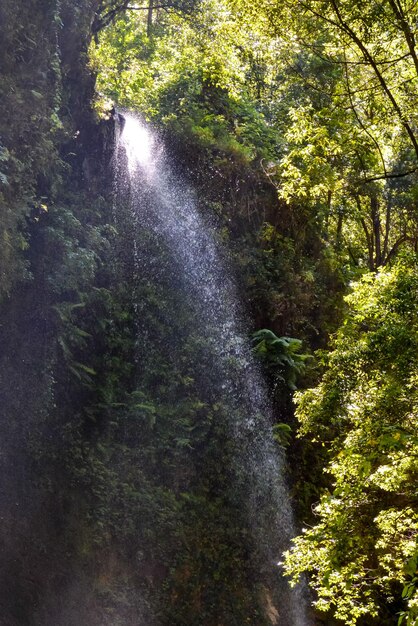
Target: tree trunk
374 206
149 18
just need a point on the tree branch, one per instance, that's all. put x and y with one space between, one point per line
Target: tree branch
103 20
367 55
406 29
362 126
342 25
387 176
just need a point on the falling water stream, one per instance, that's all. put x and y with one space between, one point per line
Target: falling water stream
161 203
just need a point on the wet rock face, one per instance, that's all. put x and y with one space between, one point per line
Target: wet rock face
96 146
270 609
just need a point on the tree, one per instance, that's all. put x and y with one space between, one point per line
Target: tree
351 140
109 10
361 551
373 44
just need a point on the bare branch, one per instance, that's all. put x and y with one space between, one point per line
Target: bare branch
387 176
362 126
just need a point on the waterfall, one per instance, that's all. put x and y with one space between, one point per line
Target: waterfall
165 208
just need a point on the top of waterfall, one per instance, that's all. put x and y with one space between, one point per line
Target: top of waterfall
139 143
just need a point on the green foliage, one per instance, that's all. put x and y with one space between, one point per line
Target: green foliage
291 137
207 103
281 356
365 409
409 593
34 116
291 280
115 421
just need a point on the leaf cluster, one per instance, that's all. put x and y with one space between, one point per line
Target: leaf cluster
364 411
